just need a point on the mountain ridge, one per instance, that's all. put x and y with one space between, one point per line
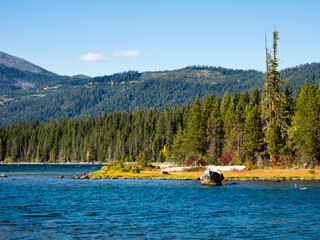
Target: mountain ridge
29 96
20 64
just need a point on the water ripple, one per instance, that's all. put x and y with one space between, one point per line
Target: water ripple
49 208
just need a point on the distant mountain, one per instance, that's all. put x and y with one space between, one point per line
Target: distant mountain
19 63
26 95
16 74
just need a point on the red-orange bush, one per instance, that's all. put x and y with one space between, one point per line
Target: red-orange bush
226 158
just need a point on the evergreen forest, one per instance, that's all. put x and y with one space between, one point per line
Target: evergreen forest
268 127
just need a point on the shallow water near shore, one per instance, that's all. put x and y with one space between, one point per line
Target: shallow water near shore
35 204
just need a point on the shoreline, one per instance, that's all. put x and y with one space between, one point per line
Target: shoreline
38 163
227 179
267 174
275 175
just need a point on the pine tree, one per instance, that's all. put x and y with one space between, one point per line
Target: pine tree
178 151
233 128
203 131
253 134
286 121
254 97
215 134
225 104
193 141
2 149
272 104
244 99
229 117
306 125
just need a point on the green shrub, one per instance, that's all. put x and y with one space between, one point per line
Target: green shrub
142 159
250 165
115 165
135 170
8 160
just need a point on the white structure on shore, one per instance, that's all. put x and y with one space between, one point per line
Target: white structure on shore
170 168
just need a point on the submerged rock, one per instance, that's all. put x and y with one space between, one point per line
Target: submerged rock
81 176
213 178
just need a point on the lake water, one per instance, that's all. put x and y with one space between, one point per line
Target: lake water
35 204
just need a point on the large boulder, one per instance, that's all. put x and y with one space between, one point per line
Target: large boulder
213 178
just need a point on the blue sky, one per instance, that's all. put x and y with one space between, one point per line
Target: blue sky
103 37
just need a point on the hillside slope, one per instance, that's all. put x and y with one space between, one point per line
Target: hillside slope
46 95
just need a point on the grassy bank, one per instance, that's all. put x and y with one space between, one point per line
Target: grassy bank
288 174
148 174
262 174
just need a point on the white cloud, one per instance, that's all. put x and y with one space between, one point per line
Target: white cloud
132 54
93 57
113 57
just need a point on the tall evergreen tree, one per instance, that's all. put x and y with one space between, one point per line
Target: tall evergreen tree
225 104
178 152
215 134
203 131
254 97
193 141
253 134
272 103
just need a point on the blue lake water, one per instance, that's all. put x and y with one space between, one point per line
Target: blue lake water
35 204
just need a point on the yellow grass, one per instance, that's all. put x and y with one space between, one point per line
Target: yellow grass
272 173
150 174
246 174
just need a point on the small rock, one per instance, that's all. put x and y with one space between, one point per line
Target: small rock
60 176
81 176
163 172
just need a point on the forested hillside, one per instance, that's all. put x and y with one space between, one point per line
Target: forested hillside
268 127
27 96
228 130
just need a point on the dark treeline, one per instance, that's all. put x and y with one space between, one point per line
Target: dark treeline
231 130
120 135
270 127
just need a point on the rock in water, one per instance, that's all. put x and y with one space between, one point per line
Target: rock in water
213 178
81 176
